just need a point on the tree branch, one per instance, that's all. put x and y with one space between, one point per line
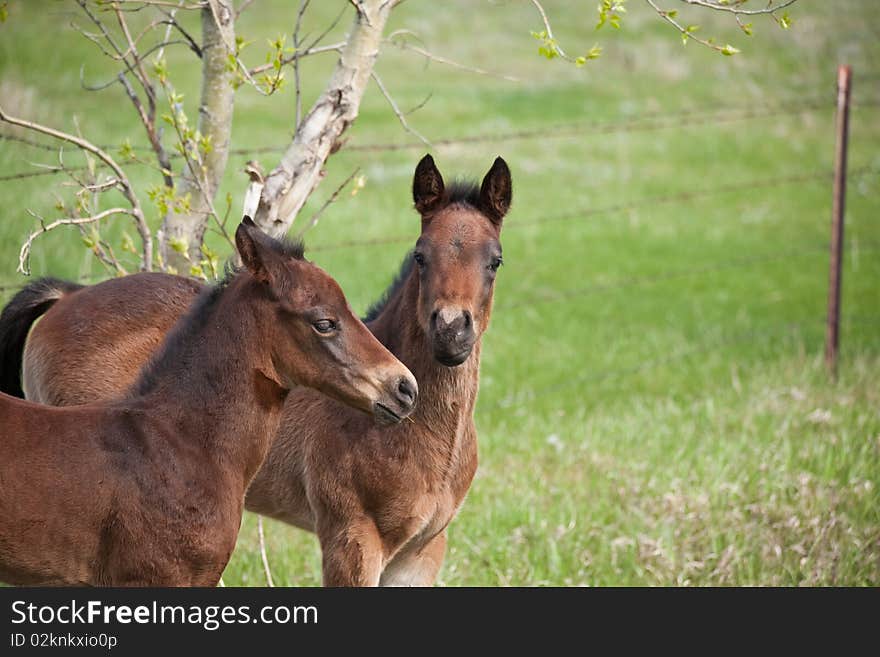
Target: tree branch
124 184
549 29
303 5
687 33
215 125
294 57
141 4
397 42
313 220
24 254
400 115
300 170
735 7
152 134
241 9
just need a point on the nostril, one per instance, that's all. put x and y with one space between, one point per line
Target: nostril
434 318
468 320
406 391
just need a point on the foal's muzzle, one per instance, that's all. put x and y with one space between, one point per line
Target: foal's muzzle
398 402
452 336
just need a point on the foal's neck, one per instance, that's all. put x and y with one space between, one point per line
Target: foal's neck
215 377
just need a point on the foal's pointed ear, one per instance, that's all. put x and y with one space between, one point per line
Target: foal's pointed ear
252 252
496 191
427 185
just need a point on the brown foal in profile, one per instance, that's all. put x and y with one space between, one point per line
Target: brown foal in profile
379 498
149 489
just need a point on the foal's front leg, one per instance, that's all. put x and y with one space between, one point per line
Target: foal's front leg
352 553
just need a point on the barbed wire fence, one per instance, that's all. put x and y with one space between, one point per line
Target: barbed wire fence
645 122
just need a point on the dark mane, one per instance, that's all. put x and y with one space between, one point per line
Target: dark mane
180 337
378 306
464 191
286 247
187 329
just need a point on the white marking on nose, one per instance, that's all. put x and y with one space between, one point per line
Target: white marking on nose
448 315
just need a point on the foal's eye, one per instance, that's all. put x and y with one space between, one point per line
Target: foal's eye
495 263
419 258
324 326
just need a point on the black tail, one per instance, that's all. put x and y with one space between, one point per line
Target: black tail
16 320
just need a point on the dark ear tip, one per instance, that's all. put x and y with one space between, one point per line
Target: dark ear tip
427 160
499 163
247 221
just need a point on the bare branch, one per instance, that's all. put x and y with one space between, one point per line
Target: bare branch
104 252
735 8
124 184
400 115
152 134
313 220
327 30
138 69
403 45
128 68
24 254
141 4
110 183
254 188
244 5
293 57
170 23
109 38
303 5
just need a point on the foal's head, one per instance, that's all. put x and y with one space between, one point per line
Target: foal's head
458 255
315 338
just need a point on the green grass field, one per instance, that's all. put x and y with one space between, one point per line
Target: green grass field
653 406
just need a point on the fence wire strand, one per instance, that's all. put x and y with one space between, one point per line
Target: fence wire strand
646 121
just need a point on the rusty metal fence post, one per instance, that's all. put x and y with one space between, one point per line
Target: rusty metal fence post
832 333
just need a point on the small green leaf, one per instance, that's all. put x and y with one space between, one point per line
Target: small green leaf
785 22
178 244
126 151
359 183
729 50
128 243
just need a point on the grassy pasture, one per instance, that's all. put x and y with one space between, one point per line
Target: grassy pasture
653 407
